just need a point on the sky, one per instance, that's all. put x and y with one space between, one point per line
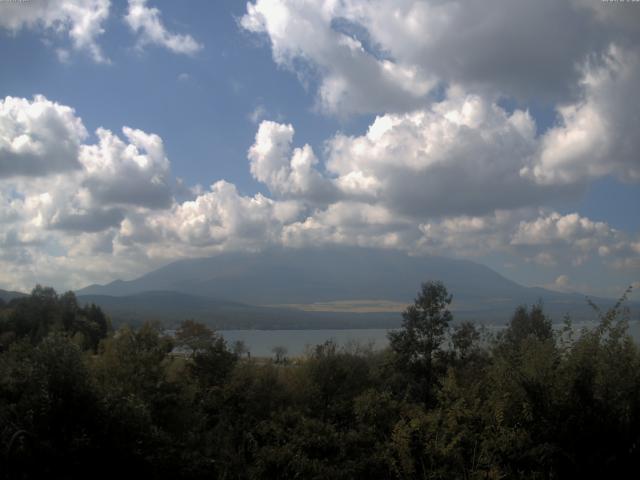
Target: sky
135 133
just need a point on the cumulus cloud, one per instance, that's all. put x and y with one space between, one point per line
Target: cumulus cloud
562 283
96 220
571 236
352 80
285 171
217 219
445 168
351 223
386 55
596 135
546 238
66 203
133 173
38 137
566 284
54 182
145 21
570 228
81 20
469 236
462 155
441 180
579 55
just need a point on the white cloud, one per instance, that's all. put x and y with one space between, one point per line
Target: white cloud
111 206
287 172
38 137
81 20
566 284
146 23
389 55
222 218
469 236
133 173
407 163
557 228
352 81
545 238
257 114
53 183
577 239
562 281
443 168
461 156
597 135
351 223
64 203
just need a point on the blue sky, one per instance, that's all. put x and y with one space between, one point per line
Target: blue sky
515 119
204 118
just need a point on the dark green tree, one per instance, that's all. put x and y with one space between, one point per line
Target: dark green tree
194 336
465 338
524 324
212 364
279 353
416 346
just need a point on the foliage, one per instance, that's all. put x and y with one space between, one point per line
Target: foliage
443 401
45 312
193 336
417 345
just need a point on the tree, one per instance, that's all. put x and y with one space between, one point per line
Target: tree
131 362
98 324
528 323
212 365
336 377
465 336
280 353
240 348
417 344
47 408
194 336
44 312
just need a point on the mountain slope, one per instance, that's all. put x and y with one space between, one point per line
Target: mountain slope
301 276
305 276
7 295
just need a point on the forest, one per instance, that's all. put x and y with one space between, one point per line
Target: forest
446 399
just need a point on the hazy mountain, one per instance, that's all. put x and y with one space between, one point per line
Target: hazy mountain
279 276
305 276
7 295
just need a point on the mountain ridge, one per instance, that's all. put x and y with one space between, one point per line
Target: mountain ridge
313 269
284 277
8 295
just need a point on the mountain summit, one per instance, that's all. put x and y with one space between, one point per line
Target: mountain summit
341 277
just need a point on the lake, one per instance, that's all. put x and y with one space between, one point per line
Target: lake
262 342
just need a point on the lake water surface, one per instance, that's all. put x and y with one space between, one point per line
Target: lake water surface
262 342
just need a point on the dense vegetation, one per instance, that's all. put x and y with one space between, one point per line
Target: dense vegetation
78 400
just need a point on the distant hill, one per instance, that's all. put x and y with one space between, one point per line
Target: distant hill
281 276
7 295
306 276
